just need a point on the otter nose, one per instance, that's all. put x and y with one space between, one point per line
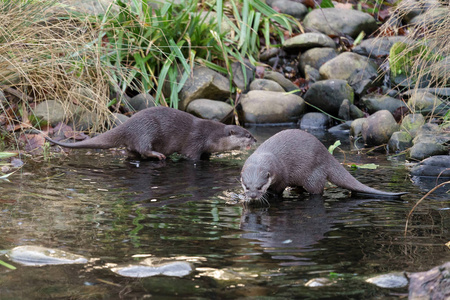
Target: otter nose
252 195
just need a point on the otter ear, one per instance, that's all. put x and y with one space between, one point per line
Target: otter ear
268 175
229 130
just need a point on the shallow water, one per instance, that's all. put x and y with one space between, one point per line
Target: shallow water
118 213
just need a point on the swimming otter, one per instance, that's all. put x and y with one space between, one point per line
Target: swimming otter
296 158
157 132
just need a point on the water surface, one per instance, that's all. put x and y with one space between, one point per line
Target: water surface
119 213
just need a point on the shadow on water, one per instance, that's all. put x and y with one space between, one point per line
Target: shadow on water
120 213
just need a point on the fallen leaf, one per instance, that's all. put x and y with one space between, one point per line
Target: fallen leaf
32 141
344 5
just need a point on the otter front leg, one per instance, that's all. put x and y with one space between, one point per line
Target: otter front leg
150 153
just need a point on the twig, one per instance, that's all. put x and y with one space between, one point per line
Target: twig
16 93
418 202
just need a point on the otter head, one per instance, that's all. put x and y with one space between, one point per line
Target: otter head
255 181
235 137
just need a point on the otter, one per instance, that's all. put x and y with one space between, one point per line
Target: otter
296 158
157 132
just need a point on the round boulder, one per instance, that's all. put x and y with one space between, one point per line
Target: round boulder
346 64
266 85
328 95
308 40
316 57
260 107
141 101
337 21
378 128
295 9
315 120
209 109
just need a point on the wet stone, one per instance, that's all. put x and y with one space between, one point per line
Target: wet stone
399 141
438 165
315 120
337 21
379 128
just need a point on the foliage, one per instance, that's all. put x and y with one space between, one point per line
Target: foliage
160 46
334 146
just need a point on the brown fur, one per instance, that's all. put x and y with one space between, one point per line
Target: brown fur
161 131
298 159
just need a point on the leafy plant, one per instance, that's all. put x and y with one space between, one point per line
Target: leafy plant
160 46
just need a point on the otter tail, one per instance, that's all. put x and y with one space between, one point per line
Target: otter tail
340 176
109 139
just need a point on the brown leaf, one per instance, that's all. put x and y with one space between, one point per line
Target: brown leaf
308 3
259 72
384 14
32 142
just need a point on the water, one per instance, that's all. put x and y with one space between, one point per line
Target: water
118 213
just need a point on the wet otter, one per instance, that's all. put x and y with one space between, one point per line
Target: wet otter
160 131
298 159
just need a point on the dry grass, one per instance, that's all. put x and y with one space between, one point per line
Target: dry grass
423 56
52 58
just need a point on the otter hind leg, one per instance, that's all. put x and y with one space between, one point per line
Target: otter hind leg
315 183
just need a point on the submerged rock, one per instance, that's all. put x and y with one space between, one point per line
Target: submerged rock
175 269
320 282
41 256
389 281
